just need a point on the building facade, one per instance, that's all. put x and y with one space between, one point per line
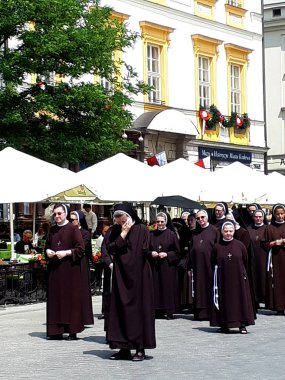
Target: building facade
274 44
198 54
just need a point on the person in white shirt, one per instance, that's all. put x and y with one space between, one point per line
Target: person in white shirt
91 218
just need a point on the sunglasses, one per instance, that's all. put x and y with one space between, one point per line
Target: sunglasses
73 219
200 217
58 213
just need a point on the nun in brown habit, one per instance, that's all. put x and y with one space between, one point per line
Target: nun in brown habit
232 304
131 324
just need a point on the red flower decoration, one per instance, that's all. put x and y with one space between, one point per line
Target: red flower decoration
204 114
221 118
239 121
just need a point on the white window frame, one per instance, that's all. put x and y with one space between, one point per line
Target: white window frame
107 85
204 73
235 88
154 76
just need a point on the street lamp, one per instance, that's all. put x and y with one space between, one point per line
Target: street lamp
140 138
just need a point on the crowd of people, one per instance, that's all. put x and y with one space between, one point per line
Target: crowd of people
221 265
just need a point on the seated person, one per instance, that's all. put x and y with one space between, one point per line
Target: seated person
4 235
25 245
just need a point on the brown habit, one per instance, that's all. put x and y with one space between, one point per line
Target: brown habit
131 322
275 299
69 304
235 304
204 240
165 274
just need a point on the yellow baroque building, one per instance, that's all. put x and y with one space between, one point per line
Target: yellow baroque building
198 55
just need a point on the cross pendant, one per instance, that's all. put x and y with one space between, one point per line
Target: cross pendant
229 256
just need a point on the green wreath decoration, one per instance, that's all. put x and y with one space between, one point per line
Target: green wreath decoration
227 122
215 119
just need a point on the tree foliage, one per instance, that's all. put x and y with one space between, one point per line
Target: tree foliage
71 119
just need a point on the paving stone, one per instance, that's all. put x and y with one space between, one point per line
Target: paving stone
186 349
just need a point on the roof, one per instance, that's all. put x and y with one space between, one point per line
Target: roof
169 120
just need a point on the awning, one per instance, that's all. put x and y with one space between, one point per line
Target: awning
169 120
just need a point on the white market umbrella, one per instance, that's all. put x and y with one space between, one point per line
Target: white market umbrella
181 177
274 191
120 178
236 183
29 179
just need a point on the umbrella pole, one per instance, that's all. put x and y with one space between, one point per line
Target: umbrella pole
13 254
34 220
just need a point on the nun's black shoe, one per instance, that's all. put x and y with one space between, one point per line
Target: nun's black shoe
56 337
72 337
169 316
243 330
101 316
121 355
139 356
223 330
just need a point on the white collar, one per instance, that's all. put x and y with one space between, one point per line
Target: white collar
63 224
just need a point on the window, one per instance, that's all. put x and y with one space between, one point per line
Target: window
3 48
235 13
107 85
234 3
205 49
153 73
276 12
117 59
48 77
237 60
204 82
205 8
155 64
235 89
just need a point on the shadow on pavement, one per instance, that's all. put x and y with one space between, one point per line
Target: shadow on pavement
96 339
41 335
184 316
105 354
269 313
215 330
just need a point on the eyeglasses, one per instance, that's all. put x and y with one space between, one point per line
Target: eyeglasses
200 217
160 221
58 213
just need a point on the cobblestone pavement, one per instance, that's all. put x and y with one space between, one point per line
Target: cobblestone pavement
186 349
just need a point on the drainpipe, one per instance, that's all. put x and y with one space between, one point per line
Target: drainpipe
264 88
